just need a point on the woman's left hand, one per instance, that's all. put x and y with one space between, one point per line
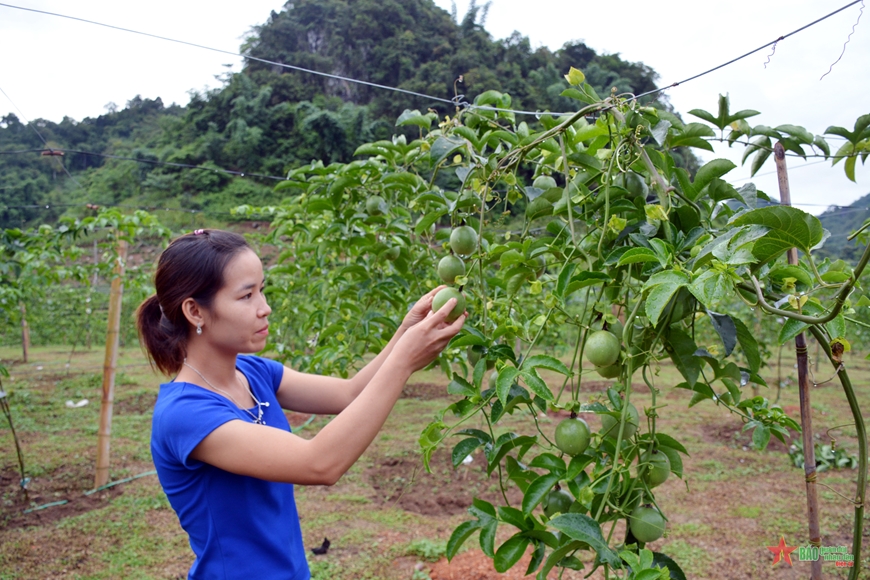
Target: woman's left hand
420 310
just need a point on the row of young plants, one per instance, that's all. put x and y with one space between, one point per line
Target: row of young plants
620 250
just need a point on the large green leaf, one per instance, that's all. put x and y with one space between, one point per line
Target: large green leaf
458 537
725 328
710 287
545 361
538 490
662 287
510 552
582 528
748 344
790 227
710 171
444 146
681 349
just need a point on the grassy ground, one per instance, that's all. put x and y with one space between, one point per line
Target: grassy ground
386 518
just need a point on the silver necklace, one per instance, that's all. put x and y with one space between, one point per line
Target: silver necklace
258 418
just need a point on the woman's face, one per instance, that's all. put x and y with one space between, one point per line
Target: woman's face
237 320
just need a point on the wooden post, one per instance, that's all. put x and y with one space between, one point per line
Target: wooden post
803 389
109 365
25 332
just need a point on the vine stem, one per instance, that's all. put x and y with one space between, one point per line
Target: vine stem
861 495
567 192
627 331
606 207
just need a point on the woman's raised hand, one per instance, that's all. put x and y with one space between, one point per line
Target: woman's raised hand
427 337
420 309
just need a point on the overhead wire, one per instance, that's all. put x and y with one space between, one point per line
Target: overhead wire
457 101
41 138
751 52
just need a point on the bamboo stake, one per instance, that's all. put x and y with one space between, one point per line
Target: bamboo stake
25 332
803 389
109 365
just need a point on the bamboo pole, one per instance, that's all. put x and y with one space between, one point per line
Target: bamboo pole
25 332
109 365
803 389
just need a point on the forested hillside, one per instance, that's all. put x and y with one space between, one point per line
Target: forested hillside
268 119
842 221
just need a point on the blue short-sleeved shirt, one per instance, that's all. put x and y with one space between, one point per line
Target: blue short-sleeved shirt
239 526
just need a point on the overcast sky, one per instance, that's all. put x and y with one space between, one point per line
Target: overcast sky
52 67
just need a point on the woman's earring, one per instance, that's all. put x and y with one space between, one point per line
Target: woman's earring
199 330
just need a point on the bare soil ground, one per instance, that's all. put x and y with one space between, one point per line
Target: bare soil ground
388 518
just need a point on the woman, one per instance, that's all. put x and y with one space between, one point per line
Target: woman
220 441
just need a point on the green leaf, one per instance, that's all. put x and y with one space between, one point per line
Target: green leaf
556 557
789 228
538 490
584 279
537 385
726 329
547 362
759 160
822 145
462 532
663 286
710 171
780 273
681 349
693 135
461 387
636 255
582 528
463 449
849 167
665 561
761 437
710 287
507 376
514 517
510 552
564 278
409 117
444 146
799 133
487 537
748 344
707 116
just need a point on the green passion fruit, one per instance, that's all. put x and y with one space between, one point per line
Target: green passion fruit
632 182
463 240
572 436
376 205
544 182
602 348
654 468
610 371
476 352
392 254
610 425
441 299
558 502
451 267
647 524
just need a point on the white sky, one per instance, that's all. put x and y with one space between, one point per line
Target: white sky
52 67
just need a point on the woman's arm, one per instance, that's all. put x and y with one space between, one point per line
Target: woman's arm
307 393
276 455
